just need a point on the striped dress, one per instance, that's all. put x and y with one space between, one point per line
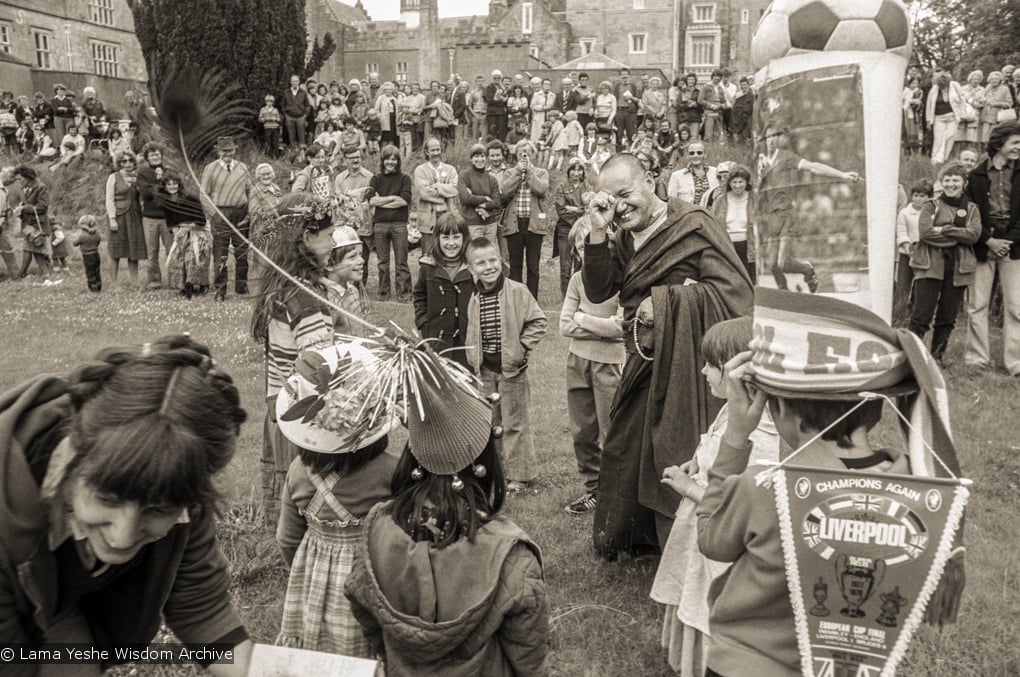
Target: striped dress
298 323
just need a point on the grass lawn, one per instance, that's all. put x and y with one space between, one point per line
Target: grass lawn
602 620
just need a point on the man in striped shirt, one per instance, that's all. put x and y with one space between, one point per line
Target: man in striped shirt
225 189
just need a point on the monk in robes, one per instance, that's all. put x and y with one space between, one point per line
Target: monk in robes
677 274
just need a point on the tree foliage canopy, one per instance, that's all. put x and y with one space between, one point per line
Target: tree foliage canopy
966 34
255 45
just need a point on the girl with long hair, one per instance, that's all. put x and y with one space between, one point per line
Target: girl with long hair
287 319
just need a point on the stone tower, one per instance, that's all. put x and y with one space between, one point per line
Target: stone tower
410 12
429 64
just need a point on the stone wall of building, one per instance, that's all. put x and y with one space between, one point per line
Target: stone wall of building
549 35
611 27
92 40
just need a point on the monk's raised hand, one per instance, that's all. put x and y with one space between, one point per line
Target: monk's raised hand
601 211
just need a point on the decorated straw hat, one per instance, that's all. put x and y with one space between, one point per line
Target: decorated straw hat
448 421
332 404
809 346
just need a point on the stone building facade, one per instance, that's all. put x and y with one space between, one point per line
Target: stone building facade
639 33
77 43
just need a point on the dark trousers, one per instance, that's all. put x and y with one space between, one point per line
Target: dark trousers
938 299
41 260
584 119
525 251
495 126
741 248
224 238
367 245
902 289
393 234
271 137
626 122
93 273
565 249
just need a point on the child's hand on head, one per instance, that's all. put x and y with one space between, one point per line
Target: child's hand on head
745 402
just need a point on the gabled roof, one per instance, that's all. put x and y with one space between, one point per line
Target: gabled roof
595 61
346 14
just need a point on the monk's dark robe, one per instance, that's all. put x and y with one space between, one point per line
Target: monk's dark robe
692 273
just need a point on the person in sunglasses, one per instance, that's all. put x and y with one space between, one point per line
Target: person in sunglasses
692 182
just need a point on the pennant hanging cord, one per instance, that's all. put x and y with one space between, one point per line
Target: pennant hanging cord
765 476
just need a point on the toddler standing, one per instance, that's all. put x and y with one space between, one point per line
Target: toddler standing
557 141
573 132
595 360
59 249
505 324
87 239
341 472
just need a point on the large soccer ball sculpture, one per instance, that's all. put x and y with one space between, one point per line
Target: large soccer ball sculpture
801 26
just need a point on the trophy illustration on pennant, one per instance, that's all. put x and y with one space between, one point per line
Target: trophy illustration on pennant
820 593
891 603
857 577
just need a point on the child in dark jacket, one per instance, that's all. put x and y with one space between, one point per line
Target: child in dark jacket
445 583
444 288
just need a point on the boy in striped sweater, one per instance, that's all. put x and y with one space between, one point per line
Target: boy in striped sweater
505 324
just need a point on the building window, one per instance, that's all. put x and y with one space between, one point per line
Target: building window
101 12
638 43
704 14
371 68
587 46
533 50
526 17
104 58
5 37
639 4
745 16
401 72
703 50
43 41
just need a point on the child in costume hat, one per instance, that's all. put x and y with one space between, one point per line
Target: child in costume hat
444 584
343 281
815 390
288 319
684 575
340 473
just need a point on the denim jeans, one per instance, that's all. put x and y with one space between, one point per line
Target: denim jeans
517 446
979 297
393 234
155 231
223 238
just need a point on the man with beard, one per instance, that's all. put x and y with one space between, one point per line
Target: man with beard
677 274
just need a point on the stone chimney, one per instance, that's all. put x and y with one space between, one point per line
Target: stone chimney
497 10
429 65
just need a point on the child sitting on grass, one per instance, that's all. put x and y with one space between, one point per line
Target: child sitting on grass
822 414
340 473
684 574
87 239
505 324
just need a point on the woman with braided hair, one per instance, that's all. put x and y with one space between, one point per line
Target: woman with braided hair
106 478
